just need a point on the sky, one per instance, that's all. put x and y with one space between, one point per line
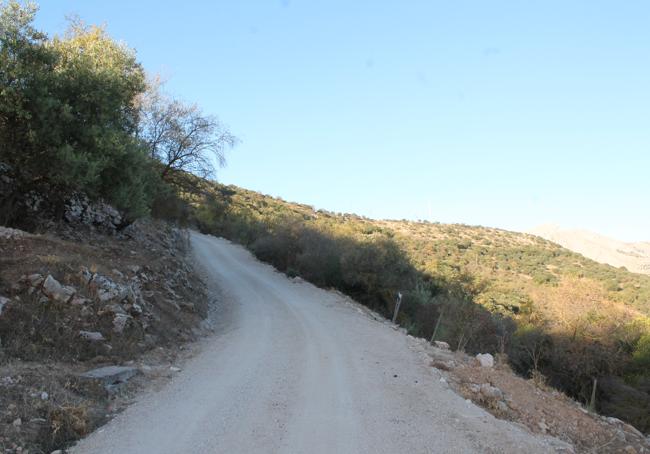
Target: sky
507 114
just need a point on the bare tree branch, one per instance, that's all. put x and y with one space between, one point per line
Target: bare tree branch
180 136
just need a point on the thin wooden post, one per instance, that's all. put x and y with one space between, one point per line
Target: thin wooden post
592 403
435 330
397 305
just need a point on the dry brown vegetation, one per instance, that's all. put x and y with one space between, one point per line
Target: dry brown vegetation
532 403
44 401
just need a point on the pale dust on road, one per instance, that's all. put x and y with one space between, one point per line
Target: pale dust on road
297 369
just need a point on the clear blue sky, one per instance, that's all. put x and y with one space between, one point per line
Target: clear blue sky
507 114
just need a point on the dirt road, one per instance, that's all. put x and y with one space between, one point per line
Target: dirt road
296 369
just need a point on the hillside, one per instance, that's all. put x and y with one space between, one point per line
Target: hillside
556 314
633 256
508 265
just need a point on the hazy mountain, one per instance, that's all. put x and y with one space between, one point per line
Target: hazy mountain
633 256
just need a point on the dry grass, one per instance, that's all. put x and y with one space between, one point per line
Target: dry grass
42 351
69 422
537 406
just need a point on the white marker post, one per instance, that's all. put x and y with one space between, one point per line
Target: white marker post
397 305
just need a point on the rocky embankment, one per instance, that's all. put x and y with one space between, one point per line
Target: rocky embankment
490 383
88 312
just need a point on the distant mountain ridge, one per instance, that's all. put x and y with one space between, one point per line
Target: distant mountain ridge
633 256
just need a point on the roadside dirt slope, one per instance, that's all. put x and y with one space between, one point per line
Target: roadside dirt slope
75 300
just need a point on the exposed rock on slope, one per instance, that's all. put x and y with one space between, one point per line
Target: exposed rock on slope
531 403
38 209
80 210
82 300
633 256
6 232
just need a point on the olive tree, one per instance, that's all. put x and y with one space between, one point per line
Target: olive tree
67 113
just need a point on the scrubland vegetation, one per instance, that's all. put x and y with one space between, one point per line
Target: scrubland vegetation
558 316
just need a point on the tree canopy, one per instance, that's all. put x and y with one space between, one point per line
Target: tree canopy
72 117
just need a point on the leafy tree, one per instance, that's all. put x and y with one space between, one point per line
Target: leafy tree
67 113
26 77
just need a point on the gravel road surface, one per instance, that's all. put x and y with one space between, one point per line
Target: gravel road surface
296 369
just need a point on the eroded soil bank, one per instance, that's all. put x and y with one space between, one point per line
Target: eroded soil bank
75 300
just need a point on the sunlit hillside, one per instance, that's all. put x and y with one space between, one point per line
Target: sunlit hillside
552 311
633 256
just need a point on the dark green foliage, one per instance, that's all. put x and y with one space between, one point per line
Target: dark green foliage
69 118
67 113
167 204
319 259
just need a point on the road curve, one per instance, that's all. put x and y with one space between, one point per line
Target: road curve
301 370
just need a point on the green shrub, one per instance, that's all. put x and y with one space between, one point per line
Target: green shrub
67 116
